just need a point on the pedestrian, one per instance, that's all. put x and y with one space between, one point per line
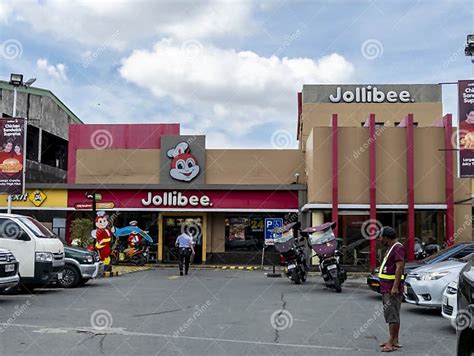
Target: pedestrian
184 243
391 276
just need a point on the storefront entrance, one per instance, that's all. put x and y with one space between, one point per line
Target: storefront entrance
172 225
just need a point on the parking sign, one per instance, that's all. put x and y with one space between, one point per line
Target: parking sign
270 225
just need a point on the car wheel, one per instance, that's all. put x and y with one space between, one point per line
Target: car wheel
71 277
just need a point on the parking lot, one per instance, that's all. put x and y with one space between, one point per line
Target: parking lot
211 312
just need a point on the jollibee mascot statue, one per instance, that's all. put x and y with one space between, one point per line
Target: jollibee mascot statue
103 238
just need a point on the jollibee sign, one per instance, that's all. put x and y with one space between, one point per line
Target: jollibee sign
175 199
188 199
370 94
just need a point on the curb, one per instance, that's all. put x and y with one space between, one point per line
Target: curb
247 268
110 274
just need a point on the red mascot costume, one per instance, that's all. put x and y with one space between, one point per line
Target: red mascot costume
103 236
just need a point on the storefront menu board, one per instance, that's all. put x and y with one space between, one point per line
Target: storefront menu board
12 141
466 128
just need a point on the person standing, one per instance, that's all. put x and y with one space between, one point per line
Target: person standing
184 243
391 276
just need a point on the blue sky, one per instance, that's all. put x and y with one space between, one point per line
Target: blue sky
227 69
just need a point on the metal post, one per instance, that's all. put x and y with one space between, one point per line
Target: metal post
9 199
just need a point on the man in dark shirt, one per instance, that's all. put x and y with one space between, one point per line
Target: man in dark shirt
391 285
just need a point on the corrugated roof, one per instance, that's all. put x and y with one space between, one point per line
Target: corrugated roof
42 92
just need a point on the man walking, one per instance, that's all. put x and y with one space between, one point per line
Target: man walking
184 243
391 276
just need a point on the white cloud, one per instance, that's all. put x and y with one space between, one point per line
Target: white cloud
94 22
55 71
234 91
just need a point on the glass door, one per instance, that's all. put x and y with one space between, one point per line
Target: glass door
173 226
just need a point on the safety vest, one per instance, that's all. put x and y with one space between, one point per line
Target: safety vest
390 277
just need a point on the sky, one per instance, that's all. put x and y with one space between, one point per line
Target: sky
228 69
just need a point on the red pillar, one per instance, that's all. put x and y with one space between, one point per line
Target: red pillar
335 169
411 188
372 191
448 154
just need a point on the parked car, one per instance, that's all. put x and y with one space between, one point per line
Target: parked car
81 265
425 285
450 301
465 317
456 251
39 251
8 270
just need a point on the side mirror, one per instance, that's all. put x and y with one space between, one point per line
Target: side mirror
23 236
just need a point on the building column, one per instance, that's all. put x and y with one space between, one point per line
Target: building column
410 188
448 159
372 191
317 218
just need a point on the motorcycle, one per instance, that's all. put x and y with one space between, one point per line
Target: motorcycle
292 253
128 250
138 254
423 250
324 244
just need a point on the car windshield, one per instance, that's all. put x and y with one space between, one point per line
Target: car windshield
437 255
37 228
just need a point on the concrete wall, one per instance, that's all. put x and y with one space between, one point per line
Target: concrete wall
142 166
119 166
216 233
254 166
390 166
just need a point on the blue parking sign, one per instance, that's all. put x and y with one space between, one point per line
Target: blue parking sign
270 225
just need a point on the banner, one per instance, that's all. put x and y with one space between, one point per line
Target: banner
466 128
12 141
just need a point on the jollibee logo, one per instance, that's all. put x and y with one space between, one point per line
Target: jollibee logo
184 165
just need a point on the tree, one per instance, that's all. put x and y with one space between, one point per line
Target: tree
81 232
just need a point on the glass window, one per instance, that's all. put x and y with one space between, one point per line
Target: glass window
36 227
246 232
9 229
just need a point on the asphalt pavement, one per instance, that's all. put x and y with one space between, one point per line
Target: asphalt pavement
211 312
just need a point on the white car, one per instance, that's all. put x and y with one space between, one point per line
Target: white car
449 309
424 286
449 305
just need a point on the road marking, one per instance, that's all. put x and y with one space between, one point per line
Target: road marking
121 331
173 277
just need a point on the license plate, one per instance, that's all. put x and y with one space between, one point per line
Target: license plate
332 267
291 266
60 275
405 289
9 268
445 300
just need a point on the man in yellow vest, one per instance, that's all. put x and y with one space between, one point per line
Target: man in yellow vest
391 285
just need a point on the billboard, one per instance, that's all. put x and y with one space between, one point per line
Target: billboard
12 155
466 128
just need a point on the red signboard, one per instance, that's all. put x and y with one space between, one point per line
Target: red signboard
192 199
12 156
466 128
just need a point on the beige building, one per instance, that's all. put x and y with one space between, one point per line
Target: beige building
392 169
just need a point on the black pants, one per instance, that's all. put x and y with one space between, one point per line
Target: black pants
184 258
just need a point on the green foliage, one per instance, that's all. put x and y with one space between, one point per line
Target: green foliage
81 232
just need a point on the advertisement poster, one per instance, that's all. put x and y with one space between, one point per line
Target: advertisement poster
466 128
237 229
12 140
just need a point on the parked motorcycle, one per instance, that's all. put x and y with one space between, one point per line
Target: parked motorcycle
324 244
292 253
138 255
423 250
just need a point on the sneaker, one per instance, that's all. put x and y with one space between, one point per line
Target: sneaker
180 273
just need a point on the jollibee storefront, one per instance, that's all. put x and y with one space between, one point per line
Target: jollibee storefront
220 221
171 183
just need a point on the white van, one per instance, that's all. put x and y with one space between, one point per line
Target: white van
39 251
